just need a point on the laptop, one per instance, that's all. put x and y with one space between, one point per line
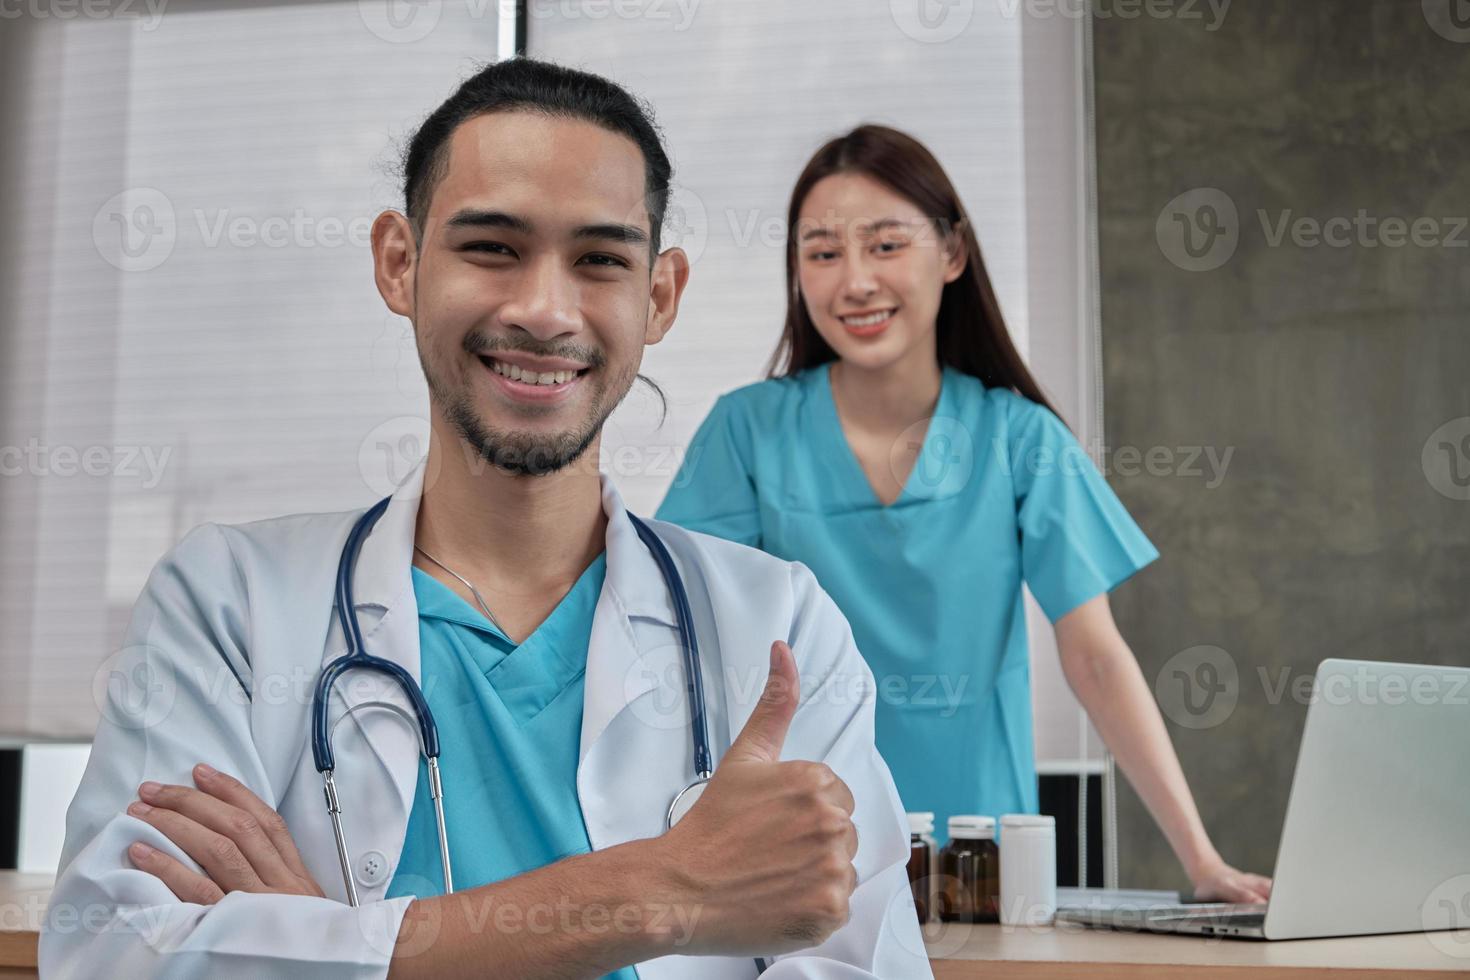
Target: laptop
1375 837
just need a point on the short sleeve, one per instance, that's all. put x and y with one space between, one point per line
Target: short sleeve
714 490
1077 539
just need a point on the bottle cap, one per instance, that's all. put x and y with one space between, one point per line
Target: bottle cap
971 827
921 823
1033 821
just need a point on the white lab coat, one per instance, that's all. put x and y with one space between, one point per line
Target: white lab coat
236 608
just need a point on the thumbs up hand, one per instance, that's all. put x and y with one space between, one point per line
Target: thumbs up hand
765 855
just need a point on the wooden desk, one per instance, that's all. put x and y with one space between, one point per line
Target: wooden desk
960 952
1071 952
22 906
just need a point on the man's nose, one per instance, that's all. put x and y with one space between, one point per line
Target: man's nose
545 301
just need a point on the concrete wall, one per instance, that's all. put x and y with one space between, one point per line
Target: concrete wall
1328 374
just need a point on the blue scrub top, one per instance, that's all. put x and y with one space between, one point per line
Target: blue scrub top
510 728
1000 493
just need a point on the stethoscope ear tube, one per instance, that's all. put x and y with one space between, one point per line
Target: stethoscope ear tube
356 656
693 675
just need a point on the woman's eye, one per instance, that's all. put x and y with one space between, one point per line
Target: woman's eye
822 256
887 247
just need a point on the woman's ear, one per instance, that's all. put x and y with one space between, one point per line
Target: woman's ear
670 275
956 255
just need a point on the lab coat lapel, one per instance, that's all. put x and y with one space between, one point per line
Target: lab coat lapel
617 674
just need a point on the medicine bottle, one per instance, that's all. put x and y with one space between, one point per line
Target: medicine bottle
969 872
921 863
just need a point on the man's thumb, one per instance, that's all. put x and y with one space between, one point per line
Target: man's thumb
765 731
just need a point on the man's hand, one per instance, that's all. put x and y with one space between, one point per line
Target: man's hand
765 854
240 842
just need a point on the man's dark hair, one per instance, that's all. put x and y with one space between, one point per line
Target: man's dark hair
524 84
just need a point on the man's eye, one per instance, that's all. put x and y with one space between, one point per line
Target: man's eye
603 259
489 248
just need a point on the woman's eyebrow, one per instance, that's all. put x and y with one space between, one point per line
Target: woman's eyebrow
490 218
861 227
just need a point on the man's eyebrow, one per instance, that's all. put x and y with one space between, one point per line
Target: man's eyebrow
480 218
608 231
612 231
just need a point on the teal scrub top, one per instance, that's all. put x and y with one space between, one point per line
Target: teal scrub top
1000 493
510 727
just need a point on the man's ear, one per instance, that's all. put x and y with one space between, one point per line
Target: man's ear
670 275
395 253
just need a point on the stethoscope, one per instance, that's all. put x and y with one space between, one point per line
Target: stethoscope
357 656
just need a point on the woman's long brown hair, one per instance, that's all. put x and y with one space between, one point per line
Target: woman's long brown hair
971 334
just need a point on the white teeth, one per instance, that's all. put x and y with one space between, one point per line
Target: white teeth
867 321
531 377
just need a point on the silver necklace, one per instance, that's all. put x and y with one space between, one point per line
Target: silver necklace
467 584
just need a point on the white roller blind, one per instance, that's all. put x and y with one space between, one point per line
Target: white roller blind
746 91
193 332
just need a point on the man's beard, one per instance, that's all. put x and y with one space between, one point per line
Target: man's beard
516 452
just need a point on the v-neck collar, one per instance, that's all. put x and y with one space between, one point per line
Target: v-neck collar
831 423
438 601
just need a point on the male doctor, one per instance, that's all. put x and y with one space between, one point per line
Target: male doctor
505 577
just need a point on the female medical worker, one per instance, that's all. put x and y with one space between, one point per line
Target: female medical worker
534 196
903 452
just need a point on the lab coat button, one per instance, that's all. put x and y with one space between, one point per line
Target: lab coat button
372 868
